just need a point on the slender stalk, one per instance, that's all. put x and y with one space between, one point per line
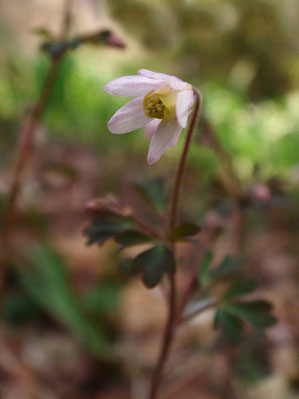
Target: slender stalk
26 138
167 340
171 319
23 150
181 167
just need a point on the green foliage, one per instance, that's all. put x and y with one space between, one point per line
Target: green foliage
231 325
110 225
253 363
153 264
203 274
19 308
240 287
48 284
255 313
252 34
131 237
229 317
233 307
183 231
104 228
113 222
228 267
152 192
103 301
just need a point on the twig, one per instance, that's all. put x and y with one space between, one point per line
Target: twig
23 150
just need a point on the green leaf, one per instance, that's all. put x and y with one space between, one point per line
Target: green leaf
103 229
104 299
48 284
19 308
203 274
240 287
141 261
229 324
256 313
125 267
183 231
152 275
131 237
228 266
152 193
153 263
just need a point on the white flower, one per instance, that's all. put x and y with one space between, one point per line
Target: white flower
162 102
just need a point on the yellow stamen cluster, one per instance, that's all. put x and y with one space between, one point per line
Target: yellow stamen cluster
153 106
160 103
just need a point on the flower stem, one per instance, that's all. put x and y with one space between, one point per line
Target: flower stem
181 167
171 319
167 339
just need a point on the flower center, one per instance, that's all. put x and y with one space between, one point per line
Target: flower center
160 103
153 106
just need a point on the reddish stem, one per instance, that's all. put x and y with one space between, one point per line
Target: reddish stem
23 151
181 167
171 319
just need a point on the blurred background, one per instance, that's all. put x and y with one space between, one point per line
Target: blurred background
73 324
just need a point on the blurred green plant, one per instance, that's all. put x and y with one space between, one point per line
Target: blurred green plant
48 283
233 307
219 38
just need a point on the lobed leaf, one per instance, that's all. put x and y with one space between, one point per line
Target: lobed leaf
153 263
131 237
256 313
230 324
240 287
228 266
102 229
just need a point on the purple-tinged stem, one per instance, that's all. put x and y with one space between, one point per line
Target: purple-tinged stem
171 319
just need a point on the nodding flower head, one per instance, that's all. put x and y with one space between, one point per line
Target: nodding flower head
163 104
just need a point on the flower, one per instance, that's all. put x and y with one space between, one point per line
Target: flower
163 104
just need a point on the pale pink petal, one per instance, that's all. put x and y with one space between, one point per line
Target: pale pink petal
132 86
172 81
184 103
129 117
164 136
175 140
151 127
